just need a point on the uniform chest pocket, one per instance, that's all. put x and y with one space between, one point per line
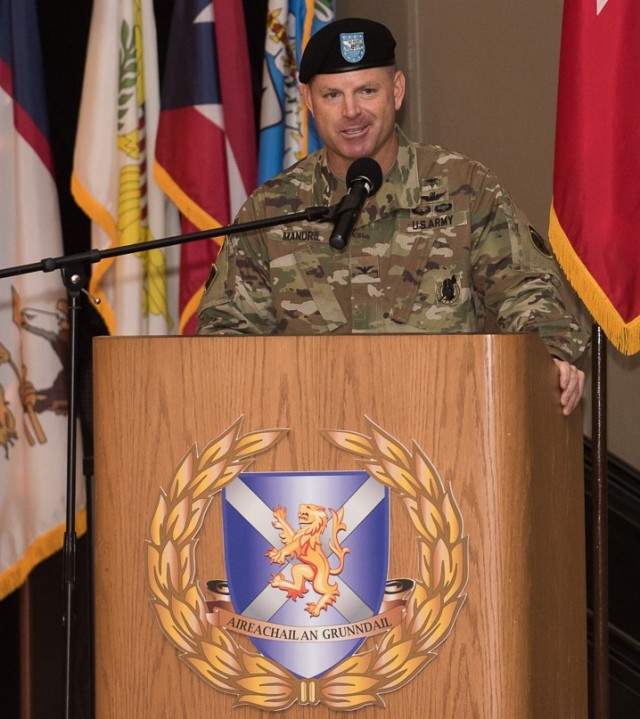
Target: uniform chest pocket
304 299
433 292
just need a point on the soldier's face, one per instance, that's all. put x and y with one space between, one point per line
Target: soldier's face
355 114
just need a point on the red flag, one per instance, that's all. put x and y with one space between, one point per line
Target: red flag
595 217
205 158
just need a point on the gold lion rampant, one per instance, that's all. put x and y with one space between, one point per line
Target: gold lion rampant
306 544
358 680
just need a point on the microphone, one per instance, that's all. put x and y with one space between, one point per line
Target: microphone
364 178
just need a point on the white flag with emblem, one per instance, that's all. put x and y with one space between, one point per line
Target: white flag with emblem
33 322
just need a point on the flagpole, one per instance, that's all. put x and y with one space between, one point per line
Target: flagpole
600 526
74 279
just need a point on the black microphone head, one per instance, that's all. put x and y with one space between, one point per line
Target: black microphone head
368 170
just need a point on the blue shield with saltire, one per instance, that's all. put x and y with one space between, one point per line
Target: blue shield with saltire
306 551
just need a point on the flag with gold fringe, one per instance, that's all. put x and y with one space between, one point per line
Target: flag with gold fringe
34 332
595 215
287 129
205 158
111 180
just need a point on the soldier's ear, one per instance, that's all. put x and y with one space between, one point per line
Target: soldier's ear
306 96
399 86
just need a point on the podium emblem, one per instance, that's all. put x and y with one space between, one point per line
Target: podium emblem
310 577
290 600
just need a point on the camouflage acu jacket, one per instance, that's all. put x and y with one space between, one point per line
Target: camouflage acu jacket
440 248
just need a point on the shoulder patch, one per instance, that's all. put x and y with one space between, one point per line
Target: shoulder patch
540 243
212 275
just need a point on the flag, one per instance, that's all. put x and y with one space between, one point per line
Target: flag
595 214
116 134
287 130
34 332
205 157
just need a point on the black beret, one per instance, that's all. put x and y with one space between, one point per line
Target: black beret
349 44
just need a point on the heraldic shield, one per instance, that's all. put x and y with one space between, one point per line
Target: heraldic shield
306 558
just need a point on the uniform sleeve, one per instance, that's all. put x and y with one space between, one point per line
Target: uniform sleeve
517 277
237 296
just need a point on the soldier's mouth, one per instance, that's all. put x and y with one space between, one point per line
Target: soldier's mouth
355 131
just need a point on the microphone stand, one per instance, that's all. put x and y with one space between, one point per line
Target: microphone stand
74 277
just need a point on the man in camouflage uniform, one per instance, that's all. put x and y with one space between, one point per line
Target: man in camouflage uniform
439 248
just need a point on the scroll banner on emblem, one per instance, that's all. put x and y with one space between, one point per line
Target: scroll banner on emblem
225 619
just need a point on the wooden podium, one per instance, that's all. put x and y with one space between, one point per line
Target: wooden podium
484 410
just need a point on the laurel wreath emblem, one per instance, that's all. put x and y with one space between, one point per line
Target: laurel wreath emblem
358 680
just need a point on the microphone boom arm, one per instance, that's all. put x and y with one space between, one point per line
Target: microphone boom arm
49 264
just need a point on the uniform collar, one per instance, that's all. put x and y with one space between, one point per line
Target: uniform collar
402 182
400 187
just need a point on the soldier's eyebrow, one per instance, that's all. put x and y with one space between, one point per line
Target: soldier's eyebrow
368 85
372 85
322 88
